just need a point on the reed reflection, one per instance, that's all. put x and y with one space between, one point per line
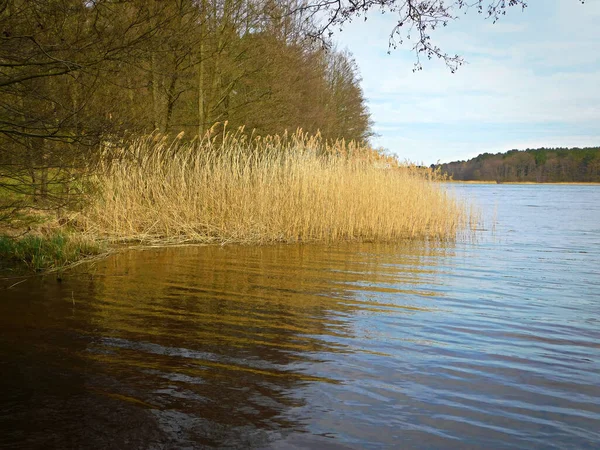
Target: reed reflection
226 335
208 345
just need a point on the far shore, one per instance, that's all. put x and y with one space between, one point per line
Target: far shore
574 183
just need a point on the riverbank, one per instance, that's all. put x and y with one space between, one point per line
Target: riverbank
47 252
574 183
471 182
234 189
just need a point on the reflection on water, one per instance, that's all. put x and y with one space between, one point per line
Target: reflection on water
200 345
494 343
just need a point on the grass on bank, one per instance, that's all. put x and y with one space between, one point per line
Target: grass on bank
47 252
293 188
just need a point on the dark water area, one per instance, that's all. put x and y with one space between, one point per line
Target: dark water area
489 343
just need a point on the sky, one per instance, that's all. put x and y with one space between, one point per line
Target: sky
532 80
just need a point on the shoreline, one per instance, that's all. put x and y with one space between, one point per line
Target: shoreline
279 189
20 270
565 183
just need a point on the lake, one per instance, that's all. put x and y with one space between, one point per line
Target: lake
489 342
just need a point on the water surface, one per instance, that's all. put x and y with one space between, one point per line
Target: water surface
491 343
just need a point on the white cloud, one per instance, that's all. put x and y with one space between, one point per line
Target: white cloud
539 68
488 92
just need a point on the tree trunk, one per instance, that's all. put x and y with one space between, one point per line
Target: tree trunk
158 95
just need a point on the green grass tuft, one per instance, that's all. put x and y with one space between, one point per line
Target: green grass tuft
46 252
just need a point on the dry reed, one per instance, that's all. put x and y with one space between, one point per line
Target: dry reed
234 188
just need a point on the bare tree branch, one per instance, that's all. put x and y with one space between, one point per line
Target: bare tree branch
415 21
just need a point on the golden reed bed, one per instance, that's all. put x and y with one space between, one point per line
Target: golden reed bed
291 188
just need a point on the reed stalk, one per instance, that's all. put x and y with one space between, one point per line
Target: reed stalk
290 188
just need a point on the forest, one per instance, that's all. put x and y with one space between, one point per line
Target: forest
78 75
542 165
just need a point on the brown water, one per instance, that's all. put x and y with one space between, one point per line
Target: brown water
486 344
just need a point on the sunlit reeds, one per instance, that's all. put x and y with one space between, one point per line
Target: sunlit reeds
234 188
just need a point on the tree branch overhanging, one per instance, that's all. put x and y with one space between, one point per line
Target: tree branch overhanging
416 20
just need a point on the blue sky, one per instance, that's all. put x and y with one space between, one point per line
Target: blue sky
532 80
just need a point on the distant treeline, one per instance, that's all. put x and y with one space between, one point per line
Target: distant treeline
542 165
